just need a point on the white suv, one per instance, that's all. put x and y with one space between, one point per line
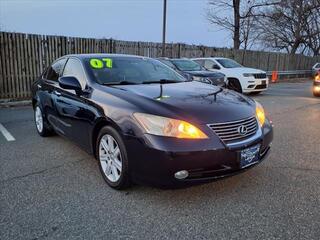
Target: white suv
316 68
240 78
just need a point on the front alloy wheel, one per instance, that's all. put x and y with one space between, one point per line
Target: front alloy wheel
112 156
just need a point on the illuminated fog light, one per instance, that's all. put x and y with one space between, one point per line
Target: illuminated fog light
181 174
316 89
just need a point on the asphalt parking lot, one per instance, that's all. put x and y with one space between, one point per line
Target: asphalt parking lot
51 189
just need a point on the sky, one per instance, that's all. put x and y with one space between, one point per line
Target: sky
132 20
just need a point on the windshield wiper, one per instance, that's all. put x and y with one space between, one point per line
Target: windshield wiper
121 83
162 81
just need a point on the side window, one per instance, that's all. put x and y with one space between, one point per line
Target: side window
209 64
55 70
75 69
200 61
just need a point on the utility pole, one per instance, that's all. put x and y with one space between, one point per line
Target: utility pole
164 28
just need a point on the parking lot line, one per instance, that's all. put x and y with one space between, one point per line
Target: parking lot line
6 133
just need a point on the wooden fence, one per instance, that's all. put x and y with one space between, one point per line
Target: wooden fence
24 56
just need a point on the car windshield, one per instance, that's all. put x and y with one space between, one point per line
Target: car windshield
187 65
130 70
228 63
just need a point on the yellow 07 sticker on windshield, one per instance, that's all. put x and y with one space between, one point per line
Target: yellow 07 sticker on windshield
101 63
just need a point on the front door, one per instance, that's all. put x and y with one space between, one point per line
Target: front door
74 112
49 83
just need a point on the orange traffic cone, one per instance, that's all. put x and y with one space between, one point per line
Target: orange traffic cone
274 76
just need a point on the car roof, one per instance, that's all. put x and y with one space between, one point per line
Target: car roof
211 58
99 55
222 58
183 59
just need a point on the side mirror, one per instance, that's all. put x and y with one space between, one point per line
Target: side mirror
215 66
69 82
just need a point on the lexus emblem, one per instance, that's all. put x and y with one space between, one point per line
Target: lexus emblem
242 130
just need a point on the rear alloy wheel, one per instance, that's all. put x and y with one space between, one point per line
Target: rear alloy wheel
235 85
42 128
112 158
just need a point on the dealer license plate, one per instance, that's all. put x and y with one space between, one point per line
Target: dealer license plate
250 156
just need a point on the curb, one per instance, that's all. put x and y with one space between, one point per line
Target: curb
292 80
8 103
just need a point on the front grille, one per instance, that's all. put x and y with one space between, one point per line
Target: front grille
260 75
230 131
261 86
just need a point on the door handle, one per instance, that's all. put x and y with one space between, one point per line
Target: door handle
57 93
39 86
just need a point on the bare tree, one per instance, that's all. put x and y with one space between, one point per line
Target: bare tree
237 17
291 25
312 41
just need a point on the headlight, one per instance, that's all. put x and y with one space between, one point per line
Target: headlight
202 79
260 114
168 127
206 80
248 74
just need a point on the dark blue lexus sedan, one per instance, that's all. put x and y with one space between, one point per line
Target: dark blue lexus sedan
146 123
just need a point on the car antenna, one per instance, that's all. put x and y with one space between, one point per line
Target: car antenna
161 91
161 96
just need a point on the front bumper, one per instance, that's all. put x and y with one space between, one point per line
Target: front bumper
255 85
154 160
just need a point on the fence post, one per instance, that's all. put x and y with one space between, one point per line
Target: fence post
110 45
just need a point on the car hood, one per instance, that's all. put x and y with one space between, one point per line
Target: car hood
205 74
242 70
194 101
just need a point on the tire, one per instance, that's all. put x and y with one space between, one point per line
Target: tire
112 157
42 126
235 85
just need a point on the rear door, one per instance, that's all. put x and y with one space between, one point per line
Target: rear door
74 112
